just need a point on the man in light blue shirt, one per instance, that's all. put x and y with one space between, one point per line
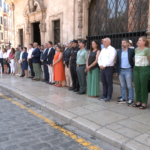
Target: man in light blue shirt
81 65
124 66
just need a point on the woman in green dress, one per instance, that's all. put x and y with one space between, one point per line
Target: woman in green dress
142 72
93 70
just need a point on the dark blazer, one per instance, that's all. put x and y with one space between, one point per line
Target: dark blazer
36 56
131 53
50 56
66 56
44 56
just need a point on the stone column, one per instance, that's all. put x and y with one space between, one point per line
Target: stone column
86 6
42 27
80 17
148 32
27 32
12 8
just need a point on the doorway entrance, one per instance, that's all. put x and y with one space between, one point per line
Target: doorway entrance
21 37
56 32
36 33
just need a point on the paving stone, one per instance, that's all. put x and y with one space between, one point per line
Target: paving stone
41 146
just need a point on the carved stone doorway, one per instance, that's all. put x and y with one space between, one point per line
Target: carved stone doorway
36 33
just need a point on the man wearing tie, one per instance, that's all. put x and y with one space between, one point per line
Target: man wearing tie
36 62
44 60
50 57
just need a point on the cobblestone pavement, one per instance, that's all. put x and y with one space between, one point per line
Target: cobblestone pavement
21 130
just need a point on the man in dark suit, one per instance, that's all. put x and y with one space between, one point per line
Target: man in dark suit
36 62
50 57
124 66
44 60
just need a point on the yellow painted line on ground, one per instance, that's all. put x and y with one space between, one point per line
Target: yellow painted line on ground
76 138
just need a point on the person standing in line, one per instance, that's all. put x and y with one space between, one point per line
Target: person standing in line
73 66
142 72
8 52
50 57
25 62
124 66
81 66
93 69
59 72
102 45
44 61
1 60
30 60
36 62
17 57
11 61
5 60
42 64
131 44
20 61
106 61
66 57
16 67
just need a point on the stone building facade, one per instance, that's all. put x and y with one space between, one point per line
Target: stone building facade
28 15
64 20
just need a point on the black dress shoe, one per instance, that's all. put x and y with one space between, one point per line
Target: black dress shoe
71 89
76 90
81 93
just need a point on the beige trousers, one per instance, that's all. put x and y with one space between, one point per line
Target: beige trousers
68 76
51 72
42 67
19 67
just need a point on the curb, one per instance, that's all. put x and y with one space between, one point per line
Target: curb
85 125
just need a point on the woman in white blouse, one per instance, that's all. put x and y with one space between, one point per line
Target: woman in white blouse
4 60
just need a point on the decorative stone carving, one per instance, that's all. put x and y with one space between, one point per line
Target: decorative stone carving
80 11
88 3
31 6
12 7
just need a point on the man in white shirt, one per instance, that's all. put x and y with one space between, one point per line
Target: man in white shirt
30 60
8 52
106 61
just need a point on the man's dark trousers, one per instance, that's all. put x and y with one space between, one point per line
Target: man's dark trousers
82 78
31 67
107 81
46 72
74 76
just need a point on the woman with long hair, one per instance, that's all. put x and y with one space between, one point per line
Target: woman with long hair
12 61
25 62
142 72
5 60
59 72
93 69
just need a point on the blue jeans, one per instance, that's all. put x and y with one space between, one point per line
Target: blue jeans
125 77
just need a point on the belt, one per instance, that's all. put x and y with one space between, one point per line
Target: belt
125 68
80 65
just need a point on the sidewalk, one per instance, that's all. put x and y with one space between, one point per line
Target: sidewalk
124 127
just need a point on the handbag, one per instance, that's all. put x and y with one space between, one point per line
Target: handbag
149 85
